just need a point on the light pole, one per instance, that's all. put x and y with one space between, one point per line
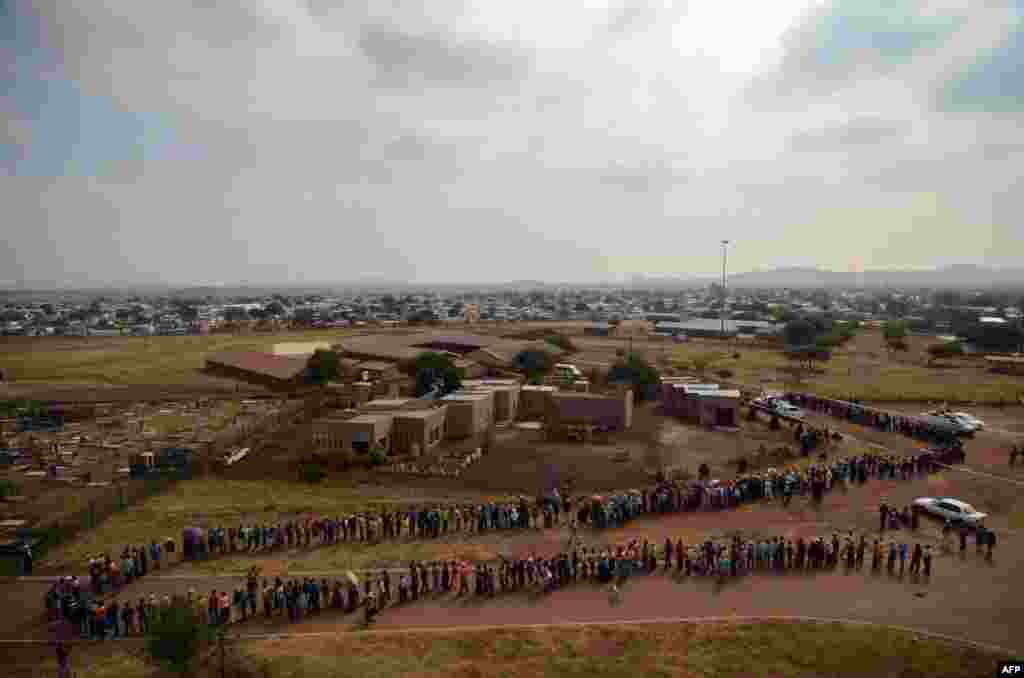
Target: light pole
725 245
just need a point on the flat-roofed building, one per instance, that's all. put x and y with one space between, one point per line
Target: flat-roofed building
417 432
603 412
506 395
468 414
535 402
353 435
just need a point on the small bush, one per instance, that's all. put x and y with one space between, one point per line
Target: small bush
7 489
620 352
561 341
311 472
176 636
377 457
735 356
725 374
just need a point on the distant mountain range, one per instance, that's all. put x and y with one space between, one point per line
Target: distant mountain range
956 276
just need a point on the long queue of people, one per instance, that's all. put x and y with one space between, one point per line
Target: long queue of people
915 427
614 510
598 511
298 599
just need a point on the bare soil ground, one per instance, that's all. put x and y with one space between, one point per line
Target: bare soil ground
737 649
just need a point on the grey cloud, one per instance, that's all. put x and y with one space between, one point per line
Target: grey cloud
631 17
655 177
856 133
404 59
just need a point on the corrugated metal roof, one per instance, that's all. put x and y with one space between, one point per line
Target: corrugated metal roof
265 364
708 325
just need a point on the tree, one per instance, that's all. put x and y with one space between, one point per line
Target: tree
561 341
632 369
434 370
175 637
894 329
534 362
946 349
322 366
799 332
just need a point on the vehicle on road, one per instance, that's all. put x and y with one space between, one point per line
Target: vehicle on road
954 510
968 419
964 423
779 406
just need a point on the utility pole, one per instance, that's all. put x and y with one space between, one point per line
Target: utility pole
725 245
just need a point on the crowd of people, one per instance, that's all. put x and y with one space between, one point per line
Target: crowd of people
915 427
297 599
106 573
597 511
614 510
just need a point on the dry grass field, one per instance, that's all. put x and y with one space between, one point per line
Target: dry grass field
778 650
131 360
864 369
213 501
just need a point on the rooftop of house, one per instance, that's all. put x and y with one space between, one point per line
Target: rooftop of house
371 418
376 366
419 414
466 397
267 364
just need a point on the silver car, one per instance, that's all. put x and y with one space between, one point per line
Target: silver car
954 510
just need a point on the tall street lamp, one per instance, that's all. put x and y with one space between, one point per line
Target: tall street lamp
725 245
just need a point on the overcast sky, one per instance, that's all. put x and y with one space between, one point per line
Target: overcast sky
204 141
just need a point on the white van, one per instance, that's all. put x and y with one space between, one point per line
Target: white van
567 371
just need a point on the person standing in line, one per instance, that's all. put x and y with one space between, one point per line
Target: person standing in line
927 561
915 560
903 557
63 661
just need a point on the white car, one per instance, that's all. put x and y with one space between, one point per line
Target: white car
969 420
787 409
951 509
962 425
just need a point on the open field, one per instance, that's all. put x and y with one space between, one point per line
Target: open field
776 649
132 360
215 501
864 369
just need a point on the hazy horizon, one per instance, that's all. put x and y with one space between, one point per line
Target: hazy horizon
303 141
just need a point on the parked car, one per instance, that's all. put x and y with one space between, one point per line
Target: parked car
962 425
787 409
969 420
959 512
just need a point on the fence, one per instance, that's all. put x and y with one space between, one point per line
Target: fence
117 498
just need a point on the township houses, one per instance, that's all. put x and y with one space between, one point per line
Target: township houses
534 401
707 403
399 426
506 396
601 412
469 413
